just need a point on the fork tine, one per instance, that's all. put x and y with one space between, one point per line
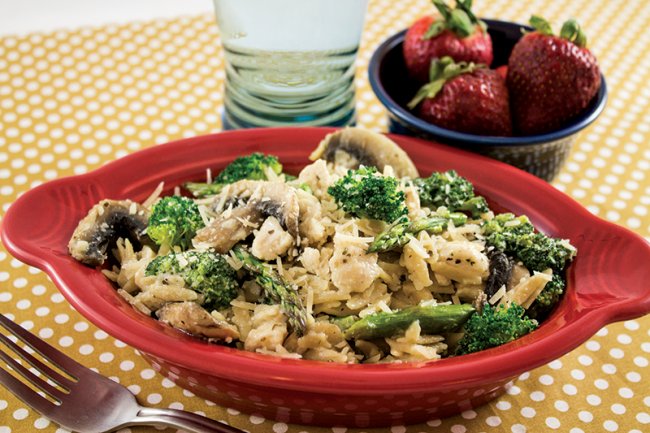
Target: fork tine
55 356
53 392
61 380
25 393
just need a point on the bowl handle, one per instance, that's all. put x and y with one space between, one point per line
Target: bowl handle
41 221
614 272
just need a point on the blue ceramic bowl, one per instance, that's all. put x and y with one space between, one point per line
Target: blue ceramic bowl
541 155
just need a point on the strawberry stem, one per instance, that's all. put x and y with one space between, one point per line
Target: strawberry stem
571 30
466 6
460 20
460 23
441 71
541 25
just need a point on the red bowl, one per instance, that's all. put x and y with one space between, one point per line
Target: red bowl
607 282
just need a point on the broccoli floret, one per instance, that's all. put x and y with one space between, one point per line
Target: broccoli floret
174 221
539 252
493 327
551 292
253 167
475 206
445 188
365 193
448 189
547 299
504 229
516 237
205 272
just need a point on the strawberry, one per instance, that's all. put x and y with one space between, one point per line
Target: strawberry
465 97
503 71
551 78
456 33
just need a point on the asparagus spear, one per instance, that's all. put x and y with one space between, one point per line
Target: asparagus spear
344 322
437 224
433 319
275 289
201 189
397 234
394 236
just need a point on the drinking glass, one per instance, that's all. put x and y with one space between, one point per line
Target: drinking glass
289 62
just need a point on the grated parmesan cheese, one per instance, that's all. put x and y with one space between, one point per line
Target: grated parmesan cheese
384 307
278 262
154 195
417 248
204 215
353 239
498 295
243 304
512 223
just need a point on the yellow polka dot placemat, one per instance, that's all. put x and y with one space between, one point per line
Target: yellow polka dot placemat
71 101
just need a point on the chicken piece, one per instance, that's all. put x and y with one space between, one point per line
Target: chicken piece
269 329
351 268
311 228
271 241
317 177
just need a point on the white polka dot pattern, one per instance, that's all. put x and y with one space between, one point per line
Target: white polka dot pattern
71 101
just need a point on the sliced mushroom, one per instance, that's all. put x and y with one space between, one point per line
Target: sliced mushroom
352 147
254 201
228 229
519 272
190 317
105 223
500 272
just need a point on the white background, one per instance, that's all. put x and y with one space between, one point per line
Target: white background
26 16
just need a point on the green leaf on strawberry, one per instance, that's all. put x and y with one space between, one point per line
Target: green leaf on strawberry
441 71
541 25
465 97
571 30
460 20
452 32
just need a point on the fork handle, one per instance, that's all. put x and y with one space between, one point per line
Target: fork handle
181 419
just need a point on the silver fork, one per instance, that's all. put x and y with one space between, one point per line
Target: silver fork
84 401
